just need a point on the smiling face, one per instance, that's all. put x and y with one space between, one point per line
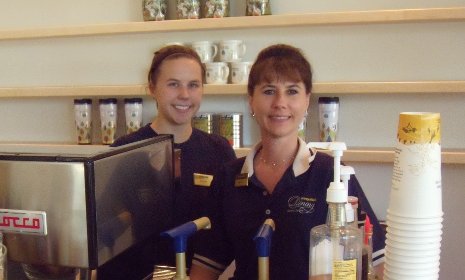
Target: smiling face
178 91
279 107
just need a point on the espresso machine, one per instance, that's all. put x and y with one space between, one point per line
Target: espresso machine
83 211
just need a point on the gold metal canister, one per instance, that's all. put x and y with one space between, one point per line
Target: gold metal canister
216 8
229 125
203 121
258 8
188 9
154 10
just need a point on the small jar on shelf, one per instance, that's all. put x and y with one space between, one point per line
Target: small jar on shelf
258 8
154 10
188 9
216 8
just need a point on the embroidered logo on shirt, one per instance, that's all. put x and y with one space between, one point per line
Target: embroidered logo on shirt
203 180
302 205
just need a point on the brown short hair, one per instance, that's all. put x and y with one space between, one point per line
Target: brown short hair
168 53
280 61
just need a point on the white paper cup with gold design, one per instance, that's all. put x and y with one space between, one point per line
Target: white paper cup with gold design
416 181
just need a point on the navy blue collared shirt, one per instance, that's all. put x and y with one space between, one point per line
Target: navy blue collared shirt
297 204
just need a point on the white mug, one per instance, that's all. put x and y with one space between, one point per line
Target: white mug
240 72
216 72
206 50
174 44
232 50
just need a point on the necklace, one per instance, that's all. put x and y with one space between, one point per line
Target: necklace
276 163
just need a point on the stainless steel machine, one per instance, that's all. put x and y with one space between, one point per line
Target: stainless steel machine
69 210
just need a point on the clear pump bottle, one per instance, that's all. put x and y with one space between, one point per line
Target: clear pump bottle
336 247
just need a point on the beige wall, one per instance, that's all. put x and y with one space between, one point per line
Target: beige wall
381 52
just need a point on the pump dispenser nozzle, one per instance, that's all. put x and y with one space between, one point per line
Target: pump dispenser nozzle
335 247
346 171
336 192
180 235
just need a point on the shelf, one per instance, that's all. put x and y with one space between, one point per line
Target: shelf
336 88
372 155
312 19
380 155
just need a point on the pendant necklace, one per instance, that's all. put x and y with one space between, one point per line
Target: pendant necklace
276 163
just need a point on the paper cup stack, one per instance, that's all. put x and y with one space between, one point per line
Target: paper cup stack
414 216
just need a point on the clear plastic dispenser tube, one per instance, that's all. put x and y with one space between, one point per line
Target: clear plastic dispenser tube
336 247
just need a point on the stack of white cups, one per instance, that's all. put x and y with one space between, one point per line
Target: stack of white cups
414 216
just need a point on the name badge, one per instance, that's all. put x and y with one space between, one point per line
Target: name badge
203 180
242 180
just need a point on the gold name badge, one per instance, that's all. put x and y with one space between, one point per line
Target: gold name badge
242 180
203 180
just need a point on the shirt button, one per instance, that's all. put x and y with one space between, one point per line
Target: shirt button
265 193
268 211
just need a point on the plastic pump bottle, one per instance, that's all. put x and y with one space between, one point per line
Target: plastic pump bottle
335 247
351 211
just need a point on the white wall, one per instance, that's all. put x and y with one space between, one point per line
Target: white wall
381 52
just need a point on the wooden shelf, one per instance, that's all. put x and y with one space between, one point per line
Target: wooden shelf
312 19
380 155
337 88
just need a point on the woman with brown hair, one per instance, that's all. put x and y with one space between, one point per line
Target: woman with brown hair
175 80
280 179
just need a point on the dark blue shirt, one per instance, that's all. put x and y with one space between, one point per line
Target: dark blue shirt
297 204
202 153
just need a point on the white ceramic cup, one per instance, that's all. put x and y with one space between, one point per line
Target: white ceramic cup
206 50
232 50
240 72
174 44
216 72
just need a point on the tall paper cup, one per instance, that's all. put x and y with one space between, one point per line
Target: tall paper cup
415 220
414 227
416 180
408 233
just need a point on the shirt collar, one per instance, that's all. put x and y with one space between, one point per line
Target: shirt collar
300 165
